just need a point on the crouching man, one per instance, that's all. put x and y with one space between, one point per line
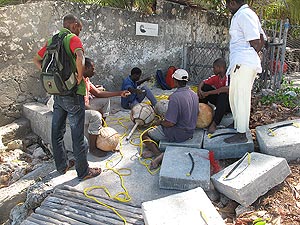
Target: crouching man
180 119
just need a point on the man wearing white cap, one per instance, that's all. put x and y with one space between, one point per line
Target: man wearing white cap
180 119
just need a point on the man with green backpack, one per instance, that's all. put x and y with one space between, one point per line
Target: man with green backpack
61 60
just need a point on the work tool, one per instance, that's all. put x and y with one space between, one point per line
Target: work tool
221 134
193 164
272 129
237 165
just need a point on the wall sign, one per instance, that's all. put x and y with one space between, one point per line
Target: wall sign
146 29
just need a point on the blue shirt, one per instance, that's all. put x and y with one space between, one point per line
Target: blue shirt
183 111
128 83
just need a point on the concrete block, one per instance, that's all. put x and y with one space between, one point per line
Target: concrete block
177 164
285 142
250 181
40 118
195 142
223 150
192 207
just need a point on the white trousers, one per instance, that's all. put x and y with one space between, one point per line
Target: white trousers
241 82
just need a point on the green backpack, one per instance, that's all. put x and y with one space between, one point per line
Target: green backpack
58 68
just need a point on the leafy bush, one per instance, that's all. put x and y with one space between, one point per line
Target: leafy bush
283 96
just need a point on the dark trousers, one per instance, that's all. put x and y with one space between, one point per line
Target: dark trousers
221 101
71 107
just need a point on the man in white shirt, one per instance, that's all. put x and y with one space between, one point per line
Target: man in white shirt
247 39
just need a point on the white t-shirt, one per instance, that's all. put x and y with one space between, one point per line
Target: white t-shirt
245 26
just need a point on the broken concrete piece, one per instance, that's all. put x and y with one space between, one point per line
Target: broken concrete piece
192 207
282 142
181 172
250 181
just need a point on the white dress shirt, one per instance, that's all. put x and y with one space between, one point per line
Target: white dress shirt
245 26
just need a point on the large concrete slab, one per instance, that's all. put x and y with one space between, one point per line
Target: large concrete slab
250 181
195 142
223 150
192 207
177 164
40 117
285 142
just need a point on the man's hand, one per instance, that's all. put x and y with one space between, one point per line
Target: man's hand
201 94
100 87
140 91
124 94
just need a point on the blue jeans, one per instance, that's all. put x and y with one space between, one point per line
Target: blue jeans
73 108
140 97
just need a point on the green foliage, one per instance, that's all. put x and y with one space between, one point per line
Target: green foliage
281 97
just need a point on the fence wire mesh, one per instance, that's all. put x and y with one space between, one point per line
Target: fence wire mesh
292 55
200 58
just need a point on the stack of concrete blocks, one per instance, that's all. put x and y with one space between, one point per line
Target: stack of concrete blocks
40 117
250 181
192 207
181 171
283 142
224 150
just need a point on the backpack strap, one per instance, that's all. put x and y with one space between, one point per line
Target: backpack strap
66 43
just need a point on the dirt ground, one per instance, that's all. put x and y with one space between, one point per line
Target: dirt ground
281 205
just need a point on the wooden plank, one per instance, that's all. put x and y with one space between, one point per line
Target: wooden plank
37 221
75 216
97 219
47 219
98 215
117 205
29 221
96 207
72 189
57 216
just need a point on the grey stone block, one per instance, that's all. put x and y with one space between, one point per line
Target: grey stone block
285 143
192 207
40 118
177 164
223 150
195 142
250 181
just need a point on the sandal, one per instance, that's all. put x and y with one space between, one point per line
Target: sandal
93 172
71 163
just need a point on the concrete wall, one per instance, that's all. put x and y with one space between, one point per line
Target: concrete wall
108 36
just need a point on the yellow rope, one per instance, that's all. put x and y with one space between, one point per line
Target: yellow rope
124 195
120 196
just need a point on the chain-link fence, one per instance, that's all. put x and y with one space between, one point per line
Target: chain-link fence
292 55
199 60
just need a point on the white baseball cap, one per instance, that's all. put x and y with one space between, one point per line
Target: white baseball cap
181 74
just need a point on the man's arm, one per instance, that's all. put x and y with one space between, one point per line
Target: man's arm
37 61
142 81
107 94
200 92
258 43
79 65
165 123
